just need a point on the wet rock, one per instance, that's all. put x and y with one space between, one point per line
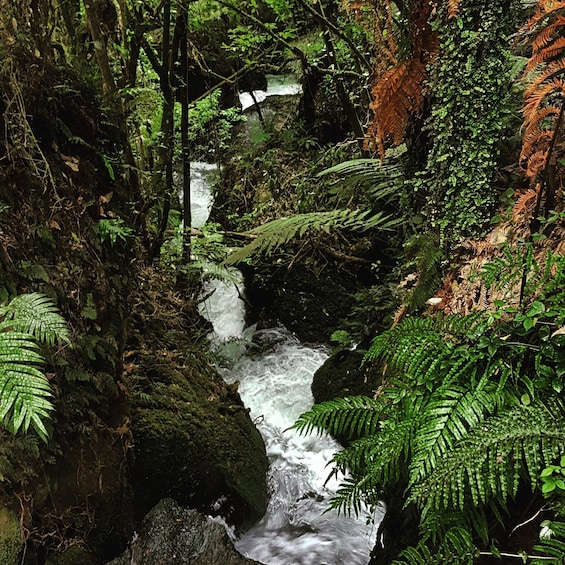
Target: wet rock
172 534
344 375
194 441
309 303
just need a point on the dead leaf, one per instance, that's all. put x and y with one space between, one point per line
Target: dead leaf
54 225
71 162
105 198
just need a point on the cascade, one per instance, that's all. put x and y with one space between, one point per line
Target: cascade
275 371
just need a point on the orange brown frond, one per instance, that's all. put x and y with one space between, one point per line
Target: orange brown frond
524 205
545 8
453 8
396 96
545 93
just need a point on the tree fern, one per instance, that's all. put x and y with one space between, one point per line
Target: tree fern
24 390
277 233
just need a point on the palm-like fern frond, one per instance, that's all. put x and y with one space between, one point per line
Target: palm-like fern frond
24 389
276 233
353 416
377 180
489 462
373 462
451 412
37 315
457 548
420 347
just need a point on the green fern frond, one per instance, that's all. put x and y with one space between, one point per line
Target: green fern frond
420 349
353 416
488 463
25 393
551 545
368 465
37 315
24 389
378 180
277 233
382 455
456 548
448 416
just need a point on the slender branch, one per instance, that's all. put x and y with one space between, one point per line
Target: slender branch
335 30
297 52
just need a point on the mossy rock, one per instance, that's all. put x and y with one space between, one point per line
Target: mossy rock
10 537
311 304
342 375
194 440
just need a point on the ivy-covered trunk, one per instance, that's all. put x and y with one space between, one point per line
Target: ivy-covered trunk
470 84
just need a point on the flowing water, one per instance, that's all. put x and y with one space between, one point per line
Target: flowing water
275 371
276 86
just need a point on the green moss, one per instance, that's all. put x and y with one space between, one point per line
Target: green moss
195 441
10 537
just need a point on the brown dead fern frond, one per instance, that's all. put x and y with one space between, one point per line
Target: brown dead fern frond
398 93
453 8
524 205
396 96
545 93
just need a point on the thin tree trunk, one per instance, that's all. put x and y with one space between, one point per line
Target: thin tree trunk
93 22
187 211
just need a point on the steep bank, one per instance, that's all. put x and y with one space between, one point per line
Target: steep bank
129 388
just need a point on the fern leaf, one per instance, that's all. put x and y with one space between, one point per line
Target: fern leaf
279 232
487 464
378 180
456 548
551 545
397 95
36 314
453 8
451 412
24 389
545 91
353 416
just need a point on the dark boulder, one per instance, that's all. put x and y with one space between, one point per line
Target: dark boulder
194 440
172 534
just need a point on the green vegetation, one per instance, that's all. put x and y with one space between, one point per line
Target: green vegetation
27 321
397 172
470 411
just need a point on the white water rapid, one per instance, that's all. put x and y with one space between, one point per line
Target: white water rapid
276 86
274 383
275 372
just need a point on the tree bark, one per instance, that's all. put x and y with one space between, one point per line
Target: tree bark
93 22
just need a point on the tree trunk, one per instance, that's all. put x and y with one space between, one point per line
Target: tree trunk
93 22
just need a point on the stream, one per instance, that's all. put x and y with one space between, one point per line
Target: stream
275 371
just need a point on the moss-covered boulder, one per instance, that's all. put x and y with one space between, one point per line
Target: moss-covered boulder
342 375
10 537
310 302
194 439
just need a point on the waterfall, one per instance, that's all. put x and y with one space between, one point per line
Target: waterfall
275 371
